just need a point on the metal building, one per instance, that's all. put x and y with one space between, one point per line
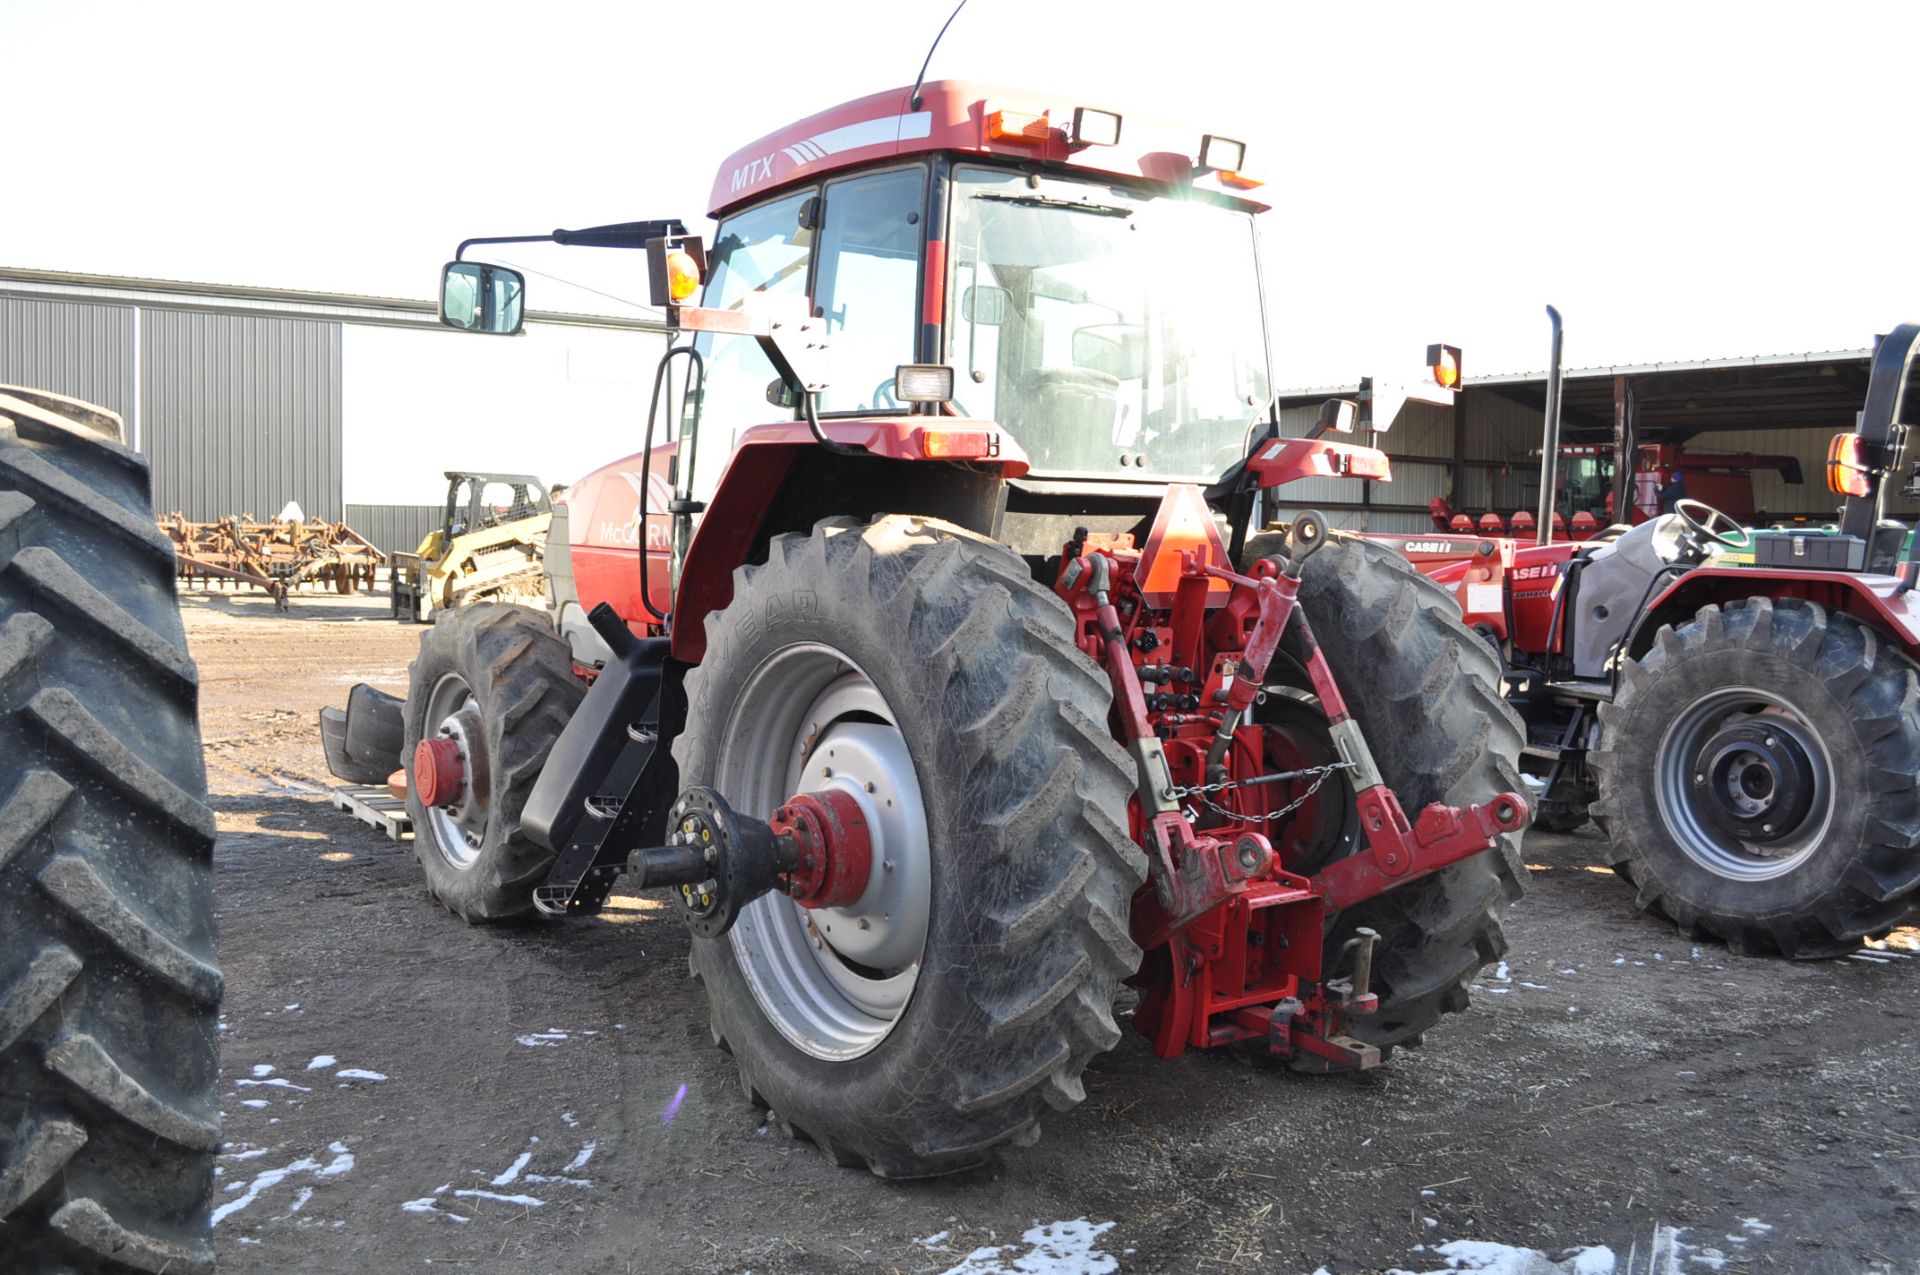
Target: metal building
350 406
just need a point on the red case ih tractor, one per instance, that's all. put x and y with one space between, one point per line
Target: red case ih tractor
1737 709
959 689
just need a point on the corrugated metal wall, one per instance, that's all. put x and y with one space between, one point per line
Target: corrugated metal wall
83 349
394 528
241 413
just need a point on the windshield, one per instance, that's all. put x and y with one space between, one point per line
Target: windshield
1105 329
1585 482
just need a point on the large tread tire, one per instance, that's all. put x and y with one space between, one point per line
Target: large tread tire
521 676
1026 801
1861 697
1426 693
109 983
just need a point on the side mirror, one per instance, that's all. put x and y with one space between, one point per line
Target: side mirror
1118 349
984 304
1339 414
476 297
1850 465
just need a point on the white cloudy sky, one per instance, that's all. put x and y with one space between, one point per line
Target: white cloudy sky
1681 179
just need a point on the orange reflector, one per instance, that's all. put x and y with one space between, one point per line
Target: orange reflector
683 275
1239 181
1183 523
1446 369
958 444
1849 466
1018 126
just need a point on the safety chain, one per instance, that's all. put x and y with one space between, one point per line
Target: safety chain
1200 791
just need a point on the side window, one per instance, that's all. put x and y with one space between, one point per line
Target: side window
869 284
761 250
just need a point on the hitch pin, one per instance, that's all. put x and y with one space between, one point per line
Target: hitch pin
1363 942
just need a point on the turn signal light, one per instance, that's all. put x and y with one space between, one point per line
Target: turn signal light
683 275
1443 363
958 444
1849 466
1239 181
1020 127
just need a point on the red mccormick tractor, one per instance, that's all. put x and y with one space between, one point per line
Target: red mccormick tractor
960 690
1738 710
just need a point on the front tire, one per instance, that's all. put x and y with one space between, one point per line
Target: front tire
498 681
921 669
1758 778
109 982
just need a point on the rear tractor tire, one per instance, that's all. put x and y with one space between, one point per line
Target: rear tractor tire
1425 691
1758 778
109 982
919 668
498 681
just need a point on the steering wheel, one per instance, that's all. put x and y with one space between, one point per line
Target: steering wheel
1709 523
884 390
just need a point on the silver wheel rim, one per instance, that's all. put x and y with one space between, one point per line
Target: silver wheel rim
1676 786
459 827
834 981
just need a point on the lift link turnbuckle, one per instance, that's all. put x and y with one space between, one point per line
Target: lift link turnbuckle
816 848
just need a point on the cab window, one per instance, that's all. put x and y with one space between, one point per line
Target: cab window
868 285
764 249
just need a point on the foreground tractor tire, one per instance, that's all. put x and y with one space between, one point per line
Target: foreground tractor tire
1426 693
498 682
1758 776
919 668
109 987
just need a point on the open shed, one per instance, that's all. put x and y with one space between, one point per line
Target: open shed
1483 453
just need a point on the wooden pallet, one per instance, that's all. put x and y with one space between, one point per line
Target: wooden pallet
373 804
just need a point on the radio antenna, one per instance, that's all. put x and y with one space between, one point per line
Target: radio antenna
914 102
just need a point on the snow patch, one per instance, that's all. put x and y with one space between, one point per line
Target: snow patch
263 1069
256 1104
580 1161
358 1073
547 1039
1058 1248
341 1163
507 1175
1506 1259
322 1061
1502 973
275 1082
525 1200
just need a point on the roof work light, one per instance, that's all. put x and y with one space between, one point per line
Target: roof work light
1094 128
1222 154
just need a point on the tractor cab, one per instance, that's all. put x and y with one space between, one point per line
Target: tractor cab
1089 281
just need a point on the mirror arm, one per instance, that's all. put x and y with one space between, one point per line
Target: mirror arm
625 234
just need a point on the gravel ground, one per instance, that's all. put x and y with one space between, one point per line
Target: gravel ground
404 1090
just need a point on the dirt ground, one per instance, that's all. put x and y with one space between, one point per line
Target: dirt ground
403 1090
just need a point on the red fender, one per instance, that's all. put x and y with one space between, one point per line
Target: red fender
759 466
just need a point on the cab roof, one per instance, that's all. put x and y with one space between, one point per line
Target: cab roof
956 115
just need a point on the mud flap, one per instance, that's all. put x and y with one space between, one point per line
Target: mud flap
363 743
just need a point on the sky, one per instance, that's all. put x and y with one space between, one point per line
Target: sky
1683 180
